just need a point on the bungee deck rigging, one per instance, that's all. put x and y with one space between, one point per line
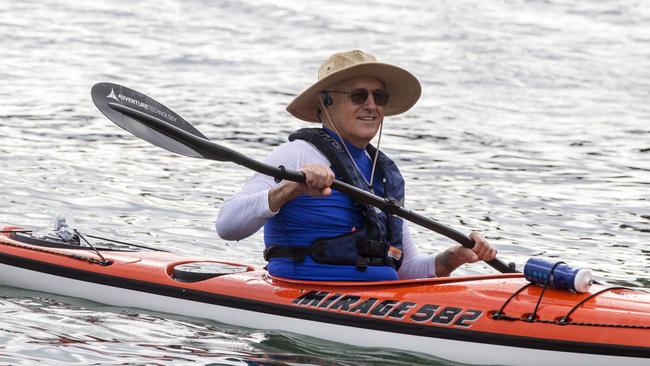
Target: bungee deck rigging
561 320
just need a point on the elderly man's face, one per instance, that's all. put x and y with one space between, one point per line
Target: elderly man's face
357 123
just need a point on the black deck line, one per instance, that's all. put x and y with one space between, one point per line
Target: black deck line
326 316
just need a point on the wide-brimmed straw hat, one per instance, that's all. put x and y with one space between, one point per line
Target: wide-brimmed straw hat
404 89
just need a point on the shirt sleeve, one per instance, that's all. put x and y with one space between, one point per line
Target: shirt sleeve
246 212
415 264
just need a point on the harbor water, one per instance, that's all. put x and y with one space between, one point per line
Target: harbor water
533 128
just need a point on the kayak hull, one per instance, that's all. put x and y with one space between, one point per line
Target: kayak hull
448 318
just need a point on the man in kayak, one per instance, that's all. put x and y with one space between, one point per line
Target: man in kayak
312 232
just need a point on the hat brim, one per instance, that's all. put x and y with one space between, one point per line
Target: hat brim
404 89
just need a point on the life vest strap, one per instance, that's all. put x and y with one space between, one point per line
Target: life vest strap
349 249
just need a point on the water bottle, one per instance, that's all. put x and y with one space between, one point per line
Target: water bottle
563 277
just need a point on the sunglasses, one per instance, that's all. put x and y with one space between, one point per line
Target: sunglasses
359 96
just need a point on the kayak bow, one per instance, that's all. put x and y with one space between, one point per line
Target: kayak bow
501 318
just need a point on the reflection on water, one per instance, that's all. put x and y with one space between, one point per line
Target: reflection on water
72 331
532 128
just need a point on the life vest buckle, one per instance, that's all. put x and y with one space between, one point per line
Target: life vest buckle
362 264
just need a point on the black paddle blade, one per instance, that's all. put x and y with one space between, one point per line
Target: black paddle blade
132 110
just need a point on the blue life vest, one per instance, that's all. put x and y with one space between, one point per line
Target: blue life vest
377 244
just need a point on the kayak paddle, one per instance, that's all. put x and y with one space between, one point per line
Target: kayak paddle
153 122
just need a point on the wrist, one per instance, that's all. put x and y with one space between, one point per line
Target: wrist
446 263
283 193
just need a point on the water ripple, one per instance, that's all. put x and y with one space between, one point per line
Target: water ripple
532 128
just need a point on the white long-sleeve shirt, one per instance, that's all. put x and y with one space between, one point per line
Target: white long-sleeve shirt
246 212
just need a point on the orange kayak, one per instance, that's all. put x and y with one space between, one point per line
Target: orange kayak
490 319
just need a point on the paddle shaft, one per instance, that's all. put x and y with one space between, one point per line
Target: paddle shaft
213 151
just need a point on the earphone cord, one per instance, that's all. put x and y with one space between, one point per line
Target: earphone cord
374 160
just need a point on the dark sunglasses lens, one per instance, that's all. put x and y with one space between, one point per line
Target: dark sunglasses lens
359 96
380 97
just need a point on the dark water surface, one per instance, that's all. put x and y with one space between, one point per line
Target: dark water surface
533 127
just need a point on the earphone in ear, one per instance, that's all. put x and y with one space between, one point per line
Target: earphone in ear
327 99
